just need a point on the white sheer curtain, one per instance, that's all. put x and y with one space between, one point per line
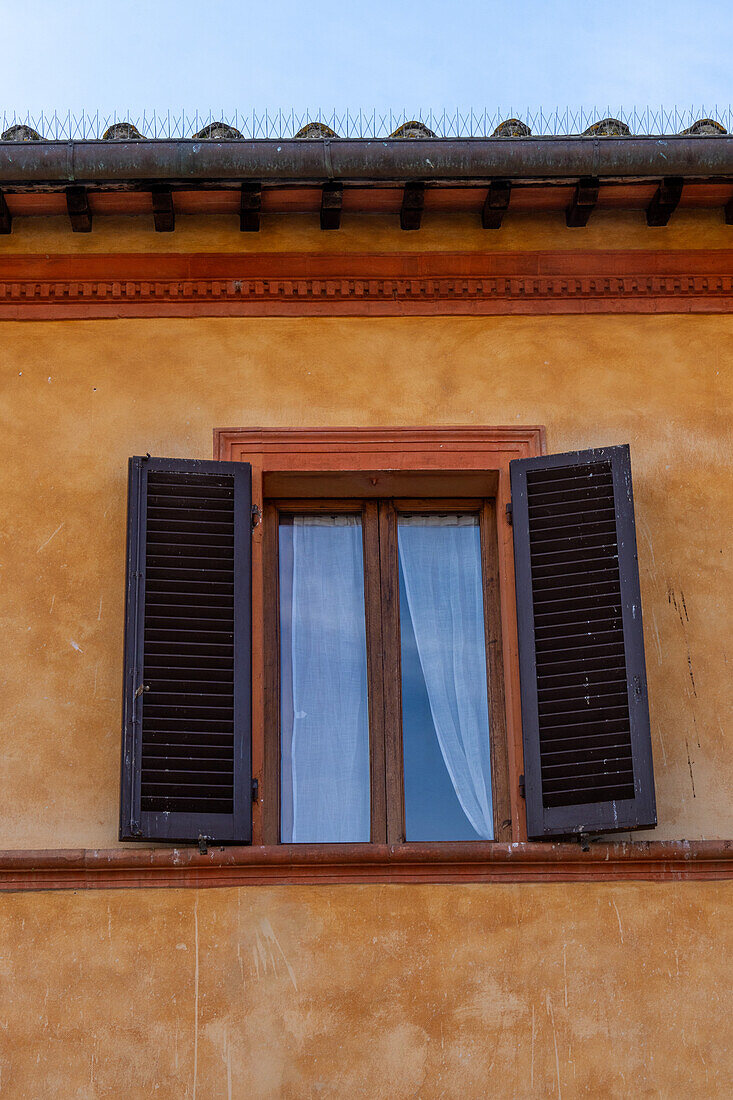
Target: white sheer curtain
441 565
325 727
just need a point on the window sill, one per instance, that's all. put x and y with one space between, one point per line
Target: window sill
651 861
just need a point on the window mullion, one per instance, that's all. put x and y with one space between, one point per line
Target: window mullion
392 672
495 676
374 633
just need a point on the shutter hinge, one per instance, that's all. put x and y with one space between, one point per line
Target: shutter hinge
522 789
255 790
204 842
256 516
509 511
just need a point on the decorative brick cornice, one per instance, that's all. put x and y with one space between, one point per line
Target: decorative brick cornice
296 284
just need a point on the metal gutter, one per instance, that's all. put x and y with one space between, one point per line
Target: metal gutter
392 160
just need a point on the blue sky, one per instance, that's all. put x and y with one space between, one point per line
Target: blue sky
66 54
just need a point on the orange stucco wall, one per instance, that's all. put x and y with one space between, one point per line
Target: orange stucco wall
381 992
688 228
82 396
375 991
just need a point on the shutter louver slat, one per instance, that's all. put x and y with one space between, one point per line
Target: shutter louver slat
186 754
584 711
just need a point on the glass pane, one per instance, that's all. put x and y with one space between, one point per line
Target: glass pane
445 708
324 779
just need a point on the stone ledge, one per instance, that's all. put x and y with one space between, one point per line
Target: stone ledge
645 861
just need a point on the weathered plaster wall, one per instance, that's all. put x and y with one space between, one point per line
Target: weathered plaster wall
79 397
607 229
379 991
383 992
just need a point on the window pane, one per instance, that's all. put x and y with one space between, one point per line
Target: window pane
445 710
323 675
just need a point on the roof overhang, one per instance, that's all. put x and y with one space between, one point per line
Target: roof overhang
479 176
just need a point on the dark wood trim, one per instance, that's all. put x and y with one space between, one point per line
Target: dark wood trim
164 214
583 203
97 869
392 673
77 206
6 218
495 674
355 285
332 196
298 487
320 506
375 671
250 204
413 204
437 505
496 204
665 201
270 780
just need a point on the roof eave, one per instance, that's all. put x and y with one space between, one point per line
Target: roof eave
544 159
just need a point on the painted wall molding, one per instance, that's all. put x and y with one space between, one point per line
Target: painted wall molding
390 284
96 869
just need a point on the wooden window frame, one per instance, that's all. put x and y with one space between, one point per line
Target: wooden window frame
383 644
295 465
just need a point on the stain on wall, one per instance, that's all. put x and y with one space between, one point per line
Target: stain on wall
383 992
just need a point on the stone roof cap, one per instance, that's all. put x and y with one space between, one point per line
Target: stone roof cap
413 129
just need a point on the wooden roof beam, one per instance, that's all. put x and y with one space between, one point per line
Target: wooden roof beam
164 216
583 202
496 204
413 203
331 199
665 201
6 218
250 206
77 206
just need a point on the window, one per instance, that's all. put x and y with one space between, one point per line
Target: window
446 758
327 633
324 705
382 705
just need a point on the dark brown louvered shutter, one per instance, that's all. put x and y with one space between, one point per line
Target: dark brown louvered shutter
186 746
585 715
